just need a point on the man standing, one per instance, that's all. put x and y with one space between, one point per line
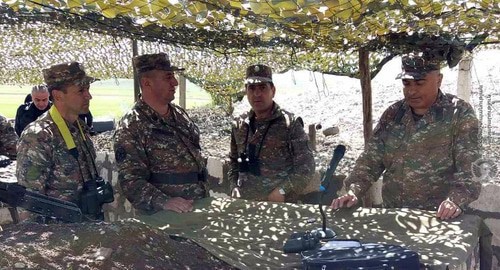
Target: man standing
8 139
423 145
56 156
270 158
157 145
29 112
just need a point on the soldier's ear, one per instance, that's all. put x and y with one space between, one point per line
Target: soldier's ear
145 81
440 79
56 94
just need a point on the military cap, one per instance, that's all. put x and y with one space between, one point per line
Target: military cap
258 74
415 66
72 72
158 61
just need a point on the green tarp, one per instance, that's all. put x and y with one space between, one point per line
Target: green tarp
250 235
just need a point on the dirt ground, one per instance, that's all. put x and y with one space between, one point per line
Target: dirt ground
126 244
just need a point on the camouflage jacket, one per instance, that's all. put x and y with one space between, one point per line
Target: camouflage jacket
8 139
147 145
44 163
423 161
285 158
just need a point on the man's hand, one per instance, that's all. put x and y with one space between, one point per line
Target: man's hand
179 205
346 200
235 193
448 210
276 196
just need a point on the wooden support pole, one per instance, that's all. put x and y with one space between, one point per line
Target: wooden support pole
182 91
312 136
136 81
366 90
464 85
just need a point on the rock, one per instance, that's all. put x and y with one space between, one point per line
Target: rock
103 253
19 265
331 131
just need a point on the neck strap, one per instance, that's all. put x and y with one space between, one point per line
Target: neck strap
63 128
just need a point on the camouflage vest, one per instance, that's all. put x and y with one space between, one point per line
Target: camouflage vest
241 127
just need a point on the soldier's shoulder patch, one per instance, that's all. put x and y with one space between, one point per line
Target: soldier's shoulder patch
120 154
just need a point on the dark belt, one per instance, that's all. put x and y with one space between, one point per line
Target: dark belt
176 178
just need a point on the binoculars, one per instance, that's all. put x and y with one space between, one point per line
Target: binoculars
248 165
94 194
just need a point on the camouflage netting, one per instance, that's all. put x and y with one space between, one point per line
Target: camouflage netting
214 40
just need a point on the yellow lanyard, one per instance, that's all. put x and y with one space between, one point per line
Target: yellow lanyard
63 128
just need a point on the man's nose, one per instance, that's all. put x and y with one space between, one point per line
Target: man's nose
412 89
88 96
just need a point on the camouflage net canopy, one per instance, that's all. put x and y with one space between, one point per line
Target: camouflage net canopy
216 39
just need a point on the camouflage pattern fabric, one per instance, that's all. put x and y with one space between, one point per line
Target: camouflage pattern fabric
286 160
158 61
258 74
72 72
423 162
146 143
44 163
8 139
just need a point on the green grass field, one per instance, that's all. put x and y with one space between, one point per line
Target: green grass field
111 98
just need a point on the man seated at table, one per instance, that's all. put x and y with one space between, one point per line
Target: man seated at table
423 145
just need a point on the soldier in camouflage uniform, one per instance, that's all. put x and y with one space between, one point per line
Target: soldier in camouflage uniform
270 158
157 145
8 139
47 162
423 146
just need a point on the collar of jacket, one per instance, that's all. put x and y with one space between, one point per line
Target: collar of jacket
435 112
142 106
276 113
31 106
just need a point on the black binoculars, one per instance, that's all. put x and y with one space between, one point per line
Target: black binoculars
248 165
94 194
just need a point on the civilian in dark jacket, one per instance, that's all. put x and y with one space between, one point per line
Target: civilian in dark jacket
29 112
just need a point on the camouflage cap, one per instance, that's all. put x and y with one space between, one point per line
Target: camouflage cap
158 61
72 72
415 67
258 74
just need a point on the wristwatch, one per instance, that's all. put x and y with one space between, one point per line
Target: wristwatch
282 191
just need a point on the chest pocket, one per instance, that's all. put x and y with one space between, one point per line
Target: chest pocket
161 140
438 141
394 147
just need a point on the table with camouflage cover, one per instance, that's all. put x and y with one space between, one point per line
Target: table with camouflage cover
250 235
